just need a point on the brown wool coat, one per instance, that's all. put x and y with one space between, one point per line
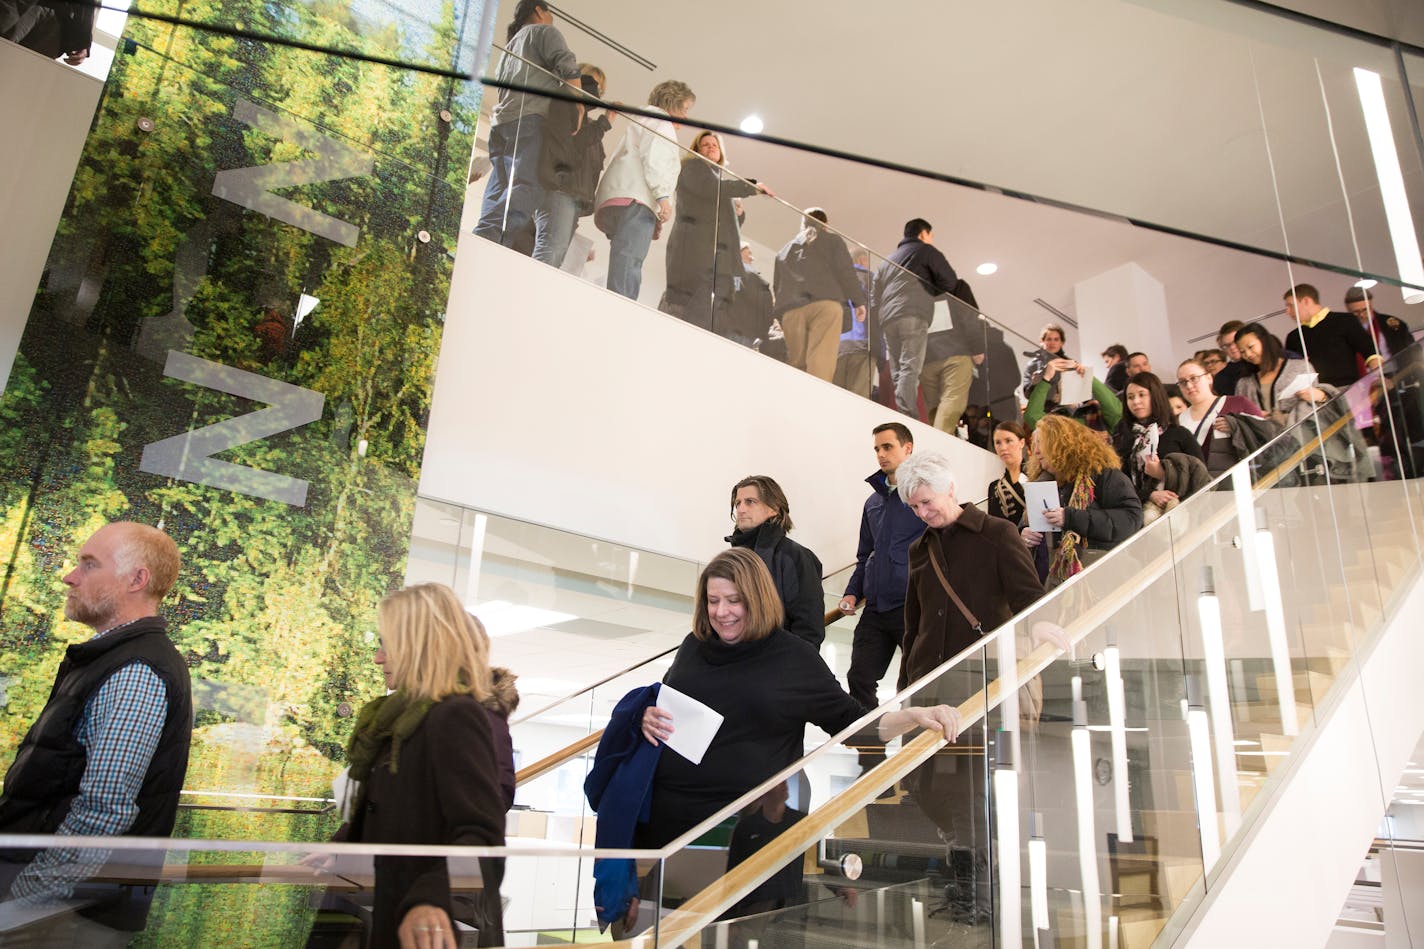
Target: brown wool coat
987 563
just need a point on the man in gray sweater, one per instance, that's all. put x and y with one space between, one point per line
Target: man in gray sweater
535 57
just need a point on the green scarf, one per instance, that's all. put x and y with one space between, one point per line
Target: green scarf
389 718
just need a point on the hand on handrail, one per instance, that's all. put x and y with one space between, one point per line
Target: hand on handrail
940 718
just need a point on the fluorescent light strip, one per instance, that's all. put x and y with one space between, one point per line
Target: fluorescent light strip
1246 524
1276 631
1219 697
1087 843
1205 787
1117 723
1038 876
1391 180
1006 800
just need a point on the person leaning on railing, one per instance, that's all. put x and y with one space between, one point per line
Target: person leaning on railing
766 683
969 574
704 249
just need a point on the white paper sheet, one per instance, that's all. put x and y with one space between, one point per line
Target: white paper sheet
693 724
1075 388
1303 381
1041 496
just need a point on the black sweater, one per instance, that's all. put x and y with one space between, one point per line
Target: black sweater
1331 346
768 691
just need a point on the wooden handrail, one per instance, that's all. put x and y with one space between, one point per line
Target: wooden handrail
704 908
547 764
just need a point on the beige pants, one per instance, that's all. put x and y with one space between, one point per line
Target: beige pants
813 334
946 388
853 373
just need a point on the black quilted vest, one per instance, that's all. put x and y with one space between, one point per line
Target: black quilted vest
44 778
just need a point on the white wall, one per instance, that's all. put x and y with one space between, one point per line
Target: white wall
45 127
560 403
1288 880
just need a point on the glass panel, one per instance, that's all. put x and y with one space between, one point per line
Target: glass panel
443 38
133 893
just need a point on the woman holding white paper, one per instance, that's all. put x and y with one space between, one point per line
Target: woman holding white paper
765 683
1098 506
1285 388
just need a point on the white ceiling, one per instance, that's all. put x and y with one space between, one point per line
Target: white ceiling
1195 123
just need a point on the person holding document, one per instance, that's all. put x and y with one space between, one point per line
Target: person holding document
1285 388
766 685
1097 503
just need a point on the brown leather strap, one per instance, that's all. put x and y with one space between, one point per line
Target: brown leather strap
944 582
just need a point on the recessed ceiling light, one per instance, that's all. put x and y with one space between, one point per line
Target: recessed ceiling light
752 125
1366 283
985 270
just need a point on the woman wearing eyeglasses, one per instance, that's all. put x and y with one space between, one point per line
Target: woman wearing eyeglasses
1208 415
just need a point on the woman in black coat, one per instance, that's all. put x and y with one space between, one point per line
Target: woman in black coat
763 518
1146 435
704 253
426 768
1006 495
766 683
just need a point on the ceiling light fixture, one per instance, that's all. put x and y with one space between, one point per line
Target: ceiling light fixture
985 270
1366 283
1391 180
753 125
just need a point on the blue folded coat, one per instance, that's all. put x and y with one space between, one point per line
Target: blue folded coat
619 788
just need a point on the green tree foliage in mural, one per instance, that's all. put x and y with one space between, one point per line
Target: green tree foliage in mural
275 609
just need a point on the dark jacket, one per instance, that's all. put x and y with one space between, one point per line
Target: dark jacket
966 334
997 380
44 777
704 250
887 528
910 280
750 313
986 562
815 265
503 700
619 788
1114 515
1331 346
1224 382
572 158
1116 379
1184 474
767 691
797 575
445 792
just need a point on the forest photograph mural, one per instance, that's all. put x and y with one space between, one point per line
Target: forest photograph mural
235 340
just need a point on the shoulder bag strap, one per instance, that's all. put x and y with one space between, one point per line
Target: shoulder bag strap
944 582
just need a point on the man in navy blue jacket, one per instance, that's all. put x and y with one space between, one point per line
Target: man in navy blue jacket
887 529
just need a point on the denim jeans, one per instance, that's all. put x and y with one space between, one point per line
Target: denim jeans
512 193
633 227
906 338
554 225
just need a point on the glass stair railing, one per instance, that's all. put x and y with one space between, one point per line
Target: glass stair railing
1123 734
712 265
1119 741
